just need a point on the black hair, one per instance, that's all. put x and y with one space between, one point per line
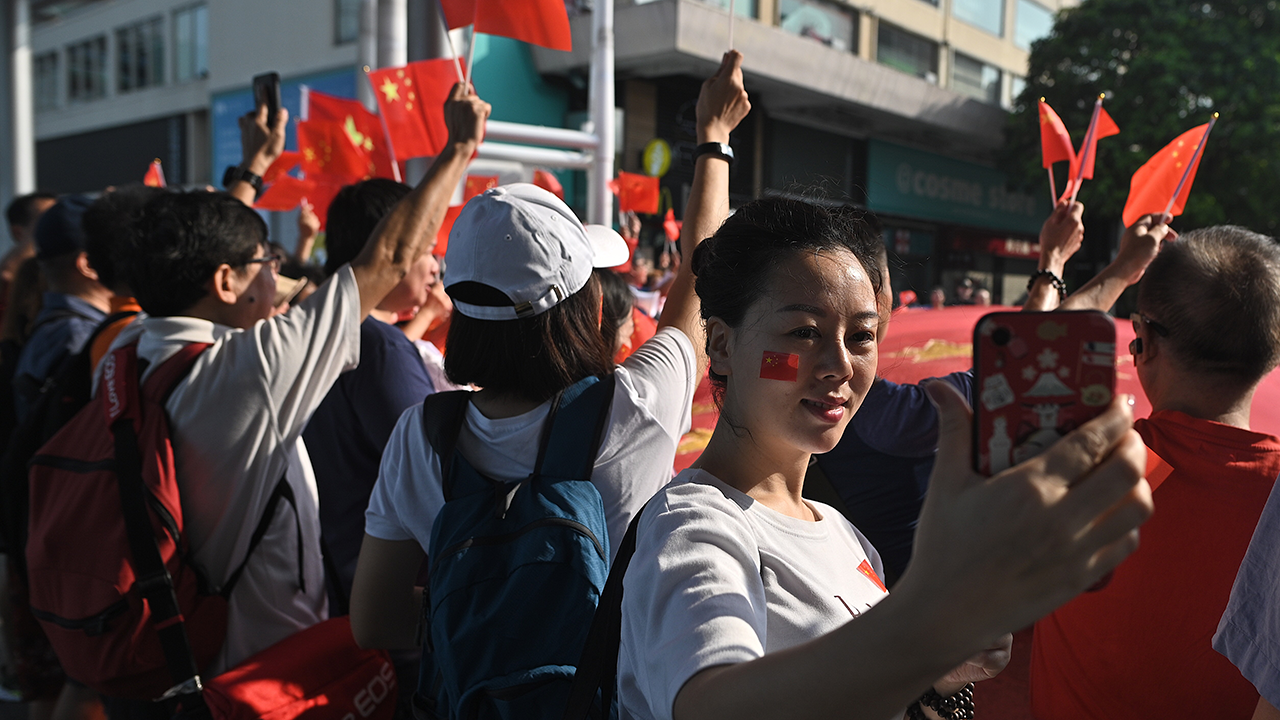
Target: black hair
354 213
618 302
182 239
1229 325
110 228
533 358
21 211
735 265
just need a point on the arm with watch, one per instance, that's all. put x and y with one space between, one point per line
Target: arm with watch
261 145
1060 238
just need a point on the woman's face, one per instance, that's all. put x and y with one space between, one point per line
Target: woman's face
415 289
804 356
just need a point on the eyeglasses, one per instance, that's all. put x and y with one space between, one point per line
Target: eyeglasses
274 260
1138 318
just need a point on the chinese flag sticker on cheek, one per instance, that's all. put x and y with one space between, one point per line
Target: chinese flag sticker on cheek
780 366
865 568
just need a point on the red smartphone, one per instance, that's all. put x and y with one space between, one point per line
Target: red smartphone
1039 376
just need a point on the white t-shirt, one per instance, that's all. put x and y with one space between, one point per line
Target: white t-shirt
651 409
718 578
236 422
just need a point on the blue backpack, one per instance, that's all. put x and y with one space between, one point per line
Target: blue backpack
516 569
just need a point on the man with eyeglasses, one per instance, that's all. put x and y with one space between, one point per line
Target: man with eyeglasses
1207 331
206 274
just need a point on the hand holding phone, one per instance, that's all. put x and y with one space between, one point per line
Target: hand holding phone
266 91
1039 376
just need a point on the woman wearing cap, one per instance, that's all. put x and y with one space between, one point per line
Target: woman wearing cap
526 325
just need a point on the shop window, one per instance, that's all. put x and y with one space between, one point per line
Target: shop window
976 79
906 52
191 43
87 69
140 55
45 69
1033 22
346 28
985 14
829 24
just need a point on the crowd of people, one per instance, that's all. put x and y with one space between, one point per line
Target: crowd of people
392 397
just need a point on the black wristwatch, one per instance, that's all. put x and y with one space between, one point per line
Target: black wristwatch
714 149
236 174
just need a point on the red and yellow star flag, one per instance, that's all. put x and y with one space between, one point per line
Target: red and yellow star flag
411 99
283 165
541 22
154 176
549 182
1103 126
779 366
1157 181
285 194
1055 141
477 184
638 193
327 152
363 127
865 568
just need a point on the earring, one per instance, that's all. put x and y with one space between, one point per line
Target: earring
1135 347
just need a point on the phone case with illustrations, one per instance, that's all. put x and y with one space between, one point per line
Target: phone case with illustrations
1039 376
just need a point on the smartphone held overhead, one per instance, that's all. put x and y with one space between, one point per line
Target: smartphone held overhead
1040 376
266 91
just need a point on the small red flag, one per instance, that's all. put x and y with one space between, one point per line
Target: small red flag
363 127
155 175
287 161
1055 141
321 197
412 99
671 226
638 193
327 152
285 194
1105 127
779 366
548 182
865 568
442 235
1156 181
477 184
541 22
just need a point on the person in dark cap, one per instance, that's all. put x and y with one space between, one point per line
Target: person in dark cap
75 303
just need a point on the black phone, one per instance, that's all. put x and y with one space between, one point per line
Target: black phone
266 91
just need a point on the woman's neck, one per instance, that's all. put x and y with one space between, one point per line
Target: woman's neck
772 476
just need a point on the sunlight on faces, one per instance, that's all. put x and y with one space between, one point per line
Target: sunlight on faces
821 308
415 289
256 283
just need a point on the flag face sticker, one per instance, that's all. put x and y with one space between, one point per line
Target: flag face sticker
780 366
865 568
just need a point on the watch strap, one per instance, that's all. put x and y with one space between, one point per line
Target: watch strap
714 149
236 174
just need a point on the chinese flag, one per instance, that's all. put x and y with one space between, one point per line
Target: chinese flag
477 184
321 197
327 152
363 127
779 366
287 161
1055 141
1103 127
865 568
671 226
1155 182
285 194
636 192
541 22
548 182
155 175
442 235
411 99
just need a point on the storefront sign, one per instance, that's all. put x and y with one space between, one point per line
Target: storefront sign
657 157
912 183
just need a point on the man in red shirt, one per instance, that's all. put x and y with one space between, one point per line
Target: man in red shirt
1208 330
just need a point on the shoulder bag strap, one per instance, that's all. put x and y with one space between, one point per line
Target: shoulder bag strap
582 411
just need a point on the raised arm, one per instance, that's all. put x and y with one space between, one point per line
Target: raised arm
409 230
260 145
1060 238
1138 247
722 104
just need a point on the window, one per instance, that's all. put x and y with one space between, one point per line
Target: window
906 52
741 8
1016 85
976 79
191 43
828 24
1033 23
87 69
986 14
140 55
346 27
45 70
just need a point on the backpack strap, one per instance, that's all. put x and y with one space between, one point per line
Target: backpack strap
598 667
282 491
442 418
581 411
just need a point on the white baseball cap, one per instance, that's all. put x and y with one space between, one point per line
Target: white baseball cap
609 247
522 241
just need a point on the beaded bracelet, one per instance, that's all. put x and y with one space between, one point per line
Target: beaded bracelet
1053 280
955 707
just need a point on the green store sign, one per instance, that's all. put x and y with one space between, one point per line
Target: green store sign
917 184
